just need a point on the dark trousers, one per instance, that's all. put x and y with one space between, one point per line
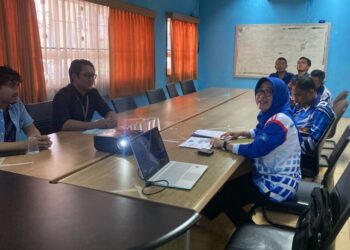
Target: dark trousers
309 164
235 194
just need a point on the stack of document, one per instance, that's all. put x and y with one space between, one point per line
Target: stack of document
196 142
208 133
201 139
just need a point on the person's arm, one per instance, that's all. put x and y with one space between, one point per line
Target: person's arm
235 135
24 121
31 130
219 143
74 125
322 116
273 135
104 110
11 146
63 120
101 107
44 142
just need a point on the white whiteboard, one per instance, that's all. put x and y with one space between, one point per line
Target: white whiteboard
258 46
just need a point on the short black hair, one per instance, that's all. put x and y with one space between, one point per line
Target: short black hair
319 74
282 59
305 84
9 75
307 59
75 67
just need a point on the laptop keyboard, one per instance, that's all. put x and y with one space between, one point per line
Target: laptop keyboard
174 173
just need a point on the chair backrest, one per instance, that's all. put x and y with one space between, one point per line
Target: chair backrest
187 87
325 136
339 109
172 91
155 95
342 95
42 115
122 104
340 197
309 162
334 156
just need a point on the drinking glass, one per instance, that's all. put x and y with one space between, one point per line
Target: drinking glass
33 147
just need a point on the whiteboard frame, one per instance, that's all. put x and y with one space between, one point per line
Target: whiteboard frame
236 41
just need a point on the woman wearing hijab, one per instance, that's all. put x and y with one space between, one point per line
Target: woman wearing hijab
274 152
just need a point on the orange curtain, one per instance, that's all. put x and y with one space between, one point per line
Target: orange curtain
131 53
3 55
20 47
184 47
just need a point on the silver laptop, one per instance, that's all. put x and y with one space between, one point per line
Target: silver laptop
154 164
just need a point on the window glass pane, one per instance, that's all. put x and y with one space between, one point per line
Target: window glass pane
168 51
73 29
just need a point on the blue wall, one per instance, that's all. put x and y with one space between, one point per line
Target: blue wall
218 20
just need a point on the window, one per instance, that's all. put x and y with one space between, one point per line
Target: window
182 47
132 59
72 29
168 49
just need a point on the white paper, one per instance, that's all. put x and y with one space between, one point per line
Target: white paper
208 133
196 142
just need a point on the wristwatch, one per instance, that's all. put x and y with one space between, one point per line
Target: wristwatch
224 146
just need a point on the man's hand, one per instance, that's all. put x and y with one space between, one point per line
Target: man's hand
44 142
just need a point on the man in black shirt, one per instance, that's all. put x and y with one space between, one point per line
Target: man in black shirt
74 105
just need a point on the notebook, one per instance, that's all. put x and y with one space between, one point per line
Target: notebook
154 164
208 133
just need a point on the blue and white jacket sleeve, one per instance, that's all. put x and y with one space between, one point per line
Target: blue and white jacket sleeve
322 116
270 137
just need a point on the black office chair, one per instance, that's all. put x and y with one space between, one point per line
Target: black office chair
155 95
339 109
122 104
298 204
342 95
187 87
42 115
172 91
258 237
309 163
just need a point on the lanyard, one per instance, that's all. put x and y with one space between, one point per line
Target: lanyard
86 108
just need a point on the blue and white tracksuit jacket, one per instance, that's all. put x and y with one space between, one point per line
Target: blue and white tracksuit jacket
312 123
276 155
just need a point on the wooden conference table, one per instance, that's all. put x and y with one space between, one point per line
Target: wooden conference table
73 156
35 214
118 175
70 152
73 151
181 108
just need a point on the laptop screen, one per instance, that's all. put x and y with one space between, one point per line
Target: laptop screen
150 153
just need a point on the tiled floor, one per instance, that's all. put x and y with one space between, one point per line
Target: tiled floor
213 235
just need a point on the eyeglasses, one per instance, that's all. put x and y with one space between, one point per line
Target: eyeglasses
266 93
89 76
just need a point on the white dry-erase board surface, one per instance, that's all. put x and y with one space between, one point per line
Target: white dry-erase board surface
257 46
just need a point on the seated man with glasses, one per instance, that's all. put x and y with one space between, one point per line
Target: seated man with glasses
74 105
14 116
